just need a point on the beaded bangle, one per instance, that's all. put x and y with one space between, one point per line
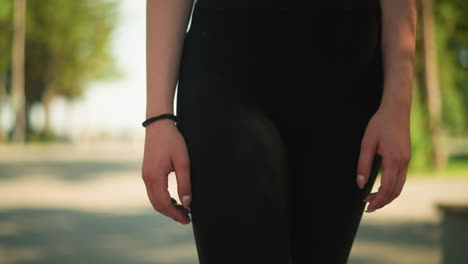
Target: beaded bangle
155 118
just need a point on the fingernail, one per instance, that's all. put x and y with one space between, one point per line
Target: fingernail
360 181
186 200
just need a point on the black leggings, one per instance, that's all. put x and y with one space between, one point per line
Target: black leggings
273 106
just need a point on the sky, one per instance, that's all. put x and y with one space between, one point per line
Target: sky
113 107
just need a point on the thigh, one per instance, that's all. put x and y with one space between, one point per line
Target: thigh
326 203
239 184
336 81
238 162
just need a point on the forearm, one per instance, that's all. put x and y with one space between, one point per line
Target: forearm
398 51
166 24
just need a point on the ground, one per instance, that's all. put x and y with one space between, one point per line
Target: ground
86 203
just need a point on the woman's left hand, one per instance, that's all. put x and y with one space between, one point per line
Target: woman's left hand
387 134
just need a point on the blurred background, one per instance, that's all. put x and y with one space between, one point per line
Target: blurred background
72 99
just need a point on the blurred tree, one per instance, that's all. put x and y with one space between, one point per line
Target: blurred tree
450 63
67 47
6 34
17 65
431 86
452 49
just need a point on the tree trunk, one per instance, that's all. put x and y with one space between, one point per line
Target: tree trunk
2 99
438 153
27 118
17 93
47 101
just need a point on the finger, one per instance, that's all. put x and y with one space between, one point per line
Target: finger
179 206
162 197
387 181
400 182
366 156
387 186
181 164
370 197
159 195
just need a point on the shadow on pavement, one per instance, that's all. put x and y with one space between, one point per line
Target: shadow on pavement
73 170
69 236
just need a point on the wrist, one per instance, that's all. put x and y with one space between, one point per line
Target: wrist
150 114
160 124
159 108
396 98
395 110
396 104
156 118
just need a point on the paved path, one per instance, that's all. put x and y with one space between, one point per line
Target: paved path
88 204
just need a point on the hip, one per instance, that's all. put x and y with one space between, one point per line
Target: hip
244 43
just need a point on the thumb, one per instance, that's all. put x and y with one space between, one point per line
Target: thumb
181 164
368 148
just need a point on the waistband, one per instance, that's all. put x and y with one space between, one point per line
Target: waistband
267 19
296 6
231 20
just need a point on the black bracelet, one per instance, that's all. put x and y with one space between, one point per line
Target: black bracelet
154 118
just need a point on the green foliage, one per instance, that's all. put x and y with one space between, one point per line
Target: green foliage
451 36
420 140
452 41
5 36
67 45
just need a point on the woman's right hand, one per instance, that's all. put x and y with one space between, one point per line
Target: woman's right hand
165 151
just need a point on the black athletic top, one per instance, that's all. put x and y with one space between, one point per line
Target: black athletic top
293 5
